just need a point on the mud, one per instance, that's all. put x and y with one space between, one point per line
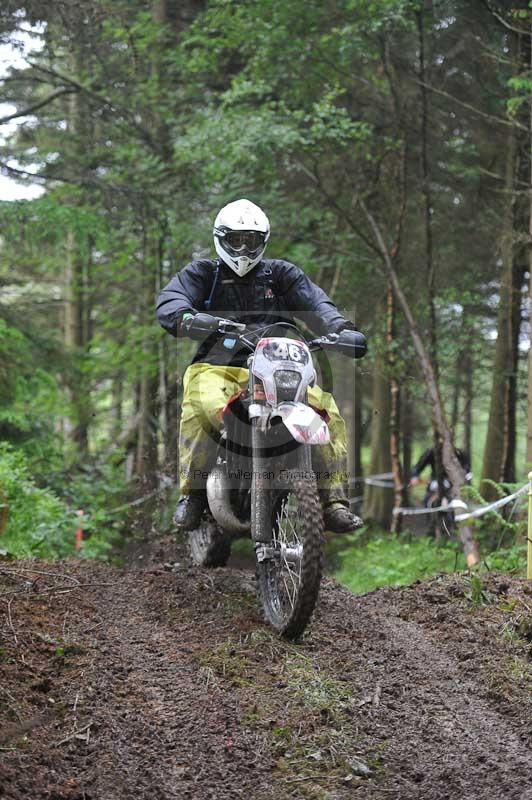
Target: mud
159 684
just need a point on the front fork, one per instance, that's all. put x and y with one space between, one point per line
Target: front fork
261 484
266 483
262 492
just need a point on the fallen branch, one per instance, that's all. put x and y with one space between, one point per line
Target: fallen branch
9 571
74 734
14 706
56 589
10 621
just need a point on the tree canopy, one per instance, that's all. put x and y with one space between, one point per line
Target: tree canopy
341 119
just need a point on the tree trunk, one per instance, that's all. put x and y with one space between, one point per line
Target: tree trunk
153 243
75 344
77 310
467 368
510 429
117 400
378 502
529 394
450 461
147 450
407 429
395 413
146 459
499 452
355 443
426 187
457 385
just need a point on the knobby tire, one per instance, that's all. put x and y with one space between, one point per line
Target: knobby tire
291 623
209 547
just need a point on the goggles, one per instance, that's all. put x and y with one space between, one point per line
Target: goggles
244 240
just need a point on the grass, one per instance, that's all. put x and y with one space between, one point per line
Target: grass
363 564
365 561
387 560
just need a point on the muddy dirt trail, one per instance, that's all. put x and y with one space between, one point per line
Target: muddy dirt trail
155 684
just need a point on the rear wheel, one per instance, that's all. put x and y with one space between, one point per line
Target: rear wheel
289 567
441 523
209 546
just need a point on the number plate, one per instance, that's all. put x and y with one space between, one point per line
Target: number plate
281 350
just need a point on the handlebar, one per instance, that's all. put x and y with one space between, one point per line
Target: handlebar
349 343
199 325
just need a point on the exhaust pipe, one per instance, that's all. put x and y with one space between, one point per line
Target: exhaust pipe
218 497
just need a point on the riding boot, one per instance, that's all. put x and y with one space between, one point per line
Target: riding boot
338 518
190 509
336 514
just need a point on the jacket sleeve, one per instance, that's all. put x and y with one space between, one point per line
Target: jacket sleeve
464 459
186 292
308 302
426 459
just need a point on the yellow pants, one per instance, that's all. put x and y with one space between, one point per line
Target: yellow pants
206 390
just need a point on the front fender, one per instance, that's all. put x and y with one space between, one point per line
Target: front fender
302 422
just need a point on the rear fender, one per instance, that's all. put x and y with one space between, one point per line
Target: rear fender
302 422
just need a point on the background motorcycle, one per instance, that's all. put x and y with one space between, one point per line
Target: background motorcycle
438 496
262 484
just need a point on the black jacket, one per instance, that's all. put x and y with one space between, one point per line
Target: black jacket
428 459
273 291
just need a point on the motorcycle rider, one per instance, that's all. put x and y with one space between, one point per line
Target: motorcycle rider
428 459
245 287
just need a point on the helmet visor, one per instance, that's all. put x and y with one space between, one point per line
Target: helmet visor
245 241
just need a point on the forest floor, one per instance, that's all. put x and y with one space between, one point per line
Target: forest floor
163 683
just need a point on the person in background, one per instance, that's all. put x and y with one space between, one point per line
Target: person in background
428 459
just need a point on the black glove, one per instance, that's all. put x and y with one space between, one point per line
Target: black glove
198 326
185 322
351 343
339 325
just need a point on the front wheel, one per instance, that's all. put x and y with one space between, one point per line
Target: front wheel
289 567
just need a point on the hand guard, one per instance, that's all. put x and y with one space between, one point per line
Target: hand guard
198 326
350 343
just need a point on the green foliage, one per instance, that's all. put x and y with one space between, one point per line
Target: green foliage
42 521
303 107
38 523
29 396
477 593
364 564
508 559
501 532
99 491
387 560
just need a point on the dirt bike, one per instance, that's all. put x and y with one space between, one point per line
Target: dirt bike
439 497
262 483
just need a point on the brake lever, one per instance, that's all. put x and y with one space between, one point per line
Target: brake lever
323 341
228 326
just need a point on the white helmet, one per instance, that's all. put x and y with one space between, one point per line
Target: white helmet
241 231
